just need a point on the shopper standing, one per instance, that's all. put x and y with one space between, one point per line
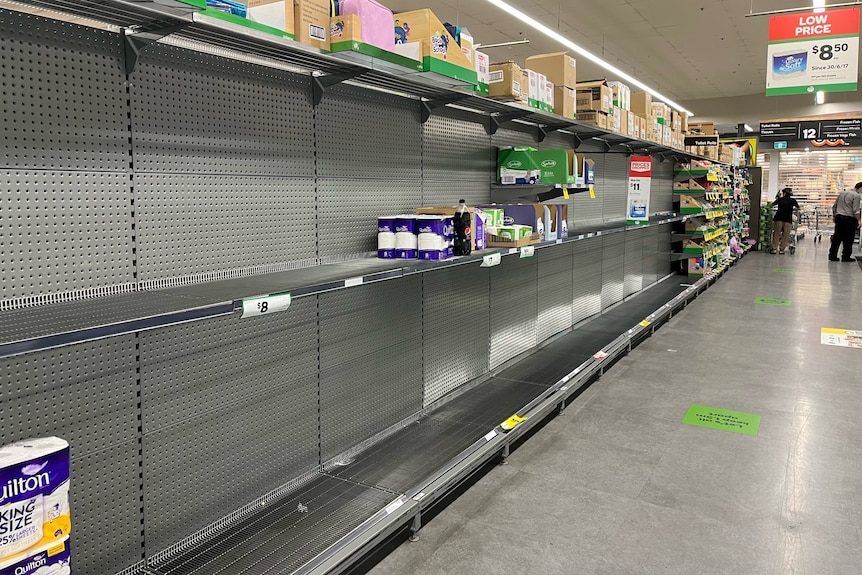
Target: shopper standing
783 219
846 213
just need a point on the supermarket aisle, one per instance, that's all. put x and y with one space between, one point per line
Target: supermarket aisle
618 485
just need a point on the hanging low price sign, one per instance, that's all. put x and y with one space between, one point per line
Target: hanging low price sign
640 186
813 52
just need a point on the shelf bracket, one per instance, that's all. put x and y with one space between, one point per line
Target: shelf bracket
496 121
428 106
606 145
135 41
578 141
541 133
320 84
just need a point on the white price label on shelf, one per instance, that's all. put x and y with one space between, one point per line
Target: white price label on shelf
559 241
513 251
392 507
353 282
265 305
528 251
491 435
491 260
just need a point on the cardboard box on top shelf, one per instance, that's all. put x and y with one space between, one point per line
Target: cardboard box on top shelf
467 48
641 104
559 68
275 14
565 101
705 128
617 119
534 92
483 72
661 112
668 135
631 123
440 52
345 29
684 120
594 95
504 81
549 96
600 119
313 20
621 94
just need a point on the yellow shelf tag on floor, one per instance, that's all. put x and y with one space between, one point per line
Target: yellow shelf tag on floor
512 422
592 191
566 193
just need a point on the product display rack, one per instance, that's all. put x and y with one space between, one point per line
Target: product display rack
174 212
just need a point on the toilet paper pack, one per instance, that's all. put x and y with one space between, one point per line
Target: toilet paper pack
34 497
55 560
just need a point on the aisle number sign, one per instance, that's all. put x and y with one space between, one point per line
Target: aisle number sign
640 186
813 52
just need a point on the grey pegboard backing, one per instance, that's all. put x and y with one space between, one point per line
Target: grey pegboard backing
661 194
348 212
584 210
447 193
190 224
455 329
88 395
650 257
211 391
365 135
505 137
613 273
194 113
371 361
64 231
664 249
555 290
557 140
513 308
63 96
634 262
615 187
455 150
587 279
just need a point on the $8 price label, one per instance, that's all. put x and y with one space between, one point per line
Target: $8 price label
265 305
828 51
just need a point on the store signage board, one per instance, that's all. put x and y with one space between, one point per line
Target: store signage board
841 337
813 52
780 145
640 187
819 133
722 419
704 141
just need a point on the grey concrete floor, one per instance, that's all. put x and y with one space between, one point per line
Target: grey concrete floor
618 485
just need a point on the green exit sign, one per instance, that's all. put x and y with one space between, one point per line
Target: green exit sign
780 145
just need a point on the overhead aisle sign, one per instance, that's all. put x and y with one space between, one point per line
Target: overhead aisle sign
813 52
640 186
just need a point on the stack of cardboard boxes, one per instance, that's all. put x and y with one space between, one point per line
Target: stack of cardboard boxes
707 140
595 104
545 84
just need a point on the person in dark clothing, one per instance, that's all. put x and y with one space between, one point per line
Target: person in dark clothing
846 214
783 220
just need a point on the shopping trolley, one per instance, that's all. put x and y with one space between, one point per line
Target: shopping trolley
824 223
796 230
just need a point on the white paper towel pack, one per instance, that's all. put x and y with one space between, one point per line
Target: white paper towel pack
34 497
53 560
386 244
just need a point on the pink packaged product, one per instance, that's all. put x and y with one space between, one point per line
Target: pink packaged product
376 22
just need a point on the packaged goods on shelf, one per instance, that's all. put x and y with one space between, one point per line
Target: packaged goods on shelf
585 175
533 80
34 497
557 165
661 112
504 81
621 95
495 241
702 128
630 124
536 216
565 102
641 104
478 218
276 14
689 205
440 52
435 236
600 119
559 68
548 96
375 22
594 96
312 22
617 119
518 166
406 237
513 232
55 559
483 72
494 217
386 245
698 267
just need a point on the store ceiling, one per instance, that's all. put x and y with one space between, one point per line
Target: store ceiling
686 49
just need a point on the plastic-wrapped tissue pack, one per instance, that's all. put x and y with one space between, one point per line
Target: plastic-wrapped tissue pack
56 560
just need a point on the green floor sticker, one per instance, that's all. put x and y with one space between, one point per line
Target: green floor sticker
766 301
785 270
733 421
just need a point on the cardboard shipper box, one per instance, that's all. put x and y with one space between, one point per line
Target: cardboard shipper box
559 68
641 104
313 21
277 14
440 52
565 102
600 119
504 81
595 95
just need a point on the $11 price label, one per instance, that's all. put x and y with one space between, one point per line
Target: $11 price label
265 305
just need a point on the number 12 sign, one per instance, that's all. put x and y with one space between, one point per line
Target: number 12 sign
640 186
813 52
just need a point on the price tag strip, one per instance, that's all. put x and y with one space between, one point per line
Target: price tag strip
265 305
528 251
491 260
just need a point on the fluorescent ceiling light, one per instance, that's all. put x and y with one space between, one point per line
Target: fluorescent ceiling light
819 5
748 128
550 33
820 97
